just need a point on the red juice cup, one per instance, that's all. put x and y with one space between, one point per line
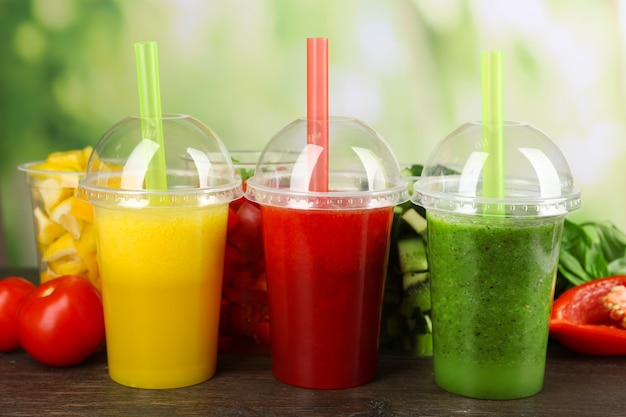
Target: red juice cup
326 252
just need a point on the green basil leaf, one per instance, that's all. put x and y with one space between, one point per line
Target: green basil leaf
571 269
618 267
611 240
595 263
576 236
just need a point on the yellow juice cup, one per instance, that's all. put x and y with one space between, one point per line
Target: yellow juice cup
161 252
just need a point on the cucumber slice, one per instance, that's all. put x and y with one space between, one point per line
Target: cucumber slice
429 324
412 255
415 220
424 344
416 299
414 280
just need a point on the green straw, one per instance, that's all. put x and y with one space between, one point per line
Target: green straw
150 111
493 125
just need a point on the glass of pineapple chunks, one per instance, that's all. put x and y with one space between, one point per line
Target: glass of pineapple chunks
64 229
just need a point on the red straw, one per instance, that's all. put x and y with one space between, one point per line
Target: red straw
317 109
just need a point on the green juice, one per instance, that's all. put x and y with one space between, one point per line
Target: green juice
492 283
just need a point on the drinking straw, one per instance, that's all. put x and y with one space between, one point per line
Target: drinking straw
150 111
317 110
493 125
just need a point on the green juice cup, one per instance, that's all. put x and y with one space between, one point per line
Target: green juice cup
493 259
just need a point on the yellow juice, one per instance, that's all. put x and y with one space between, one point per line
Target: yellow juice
161 287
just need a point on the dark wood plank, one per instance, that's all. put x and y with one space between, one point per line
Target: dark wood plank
575 386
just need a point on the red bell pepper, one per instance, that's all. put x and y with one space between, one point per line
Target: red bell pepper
581 322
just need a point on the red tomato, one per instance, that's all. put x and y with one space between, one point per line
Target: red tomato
233 261
61 322
247 234
13 290
261 333
243 317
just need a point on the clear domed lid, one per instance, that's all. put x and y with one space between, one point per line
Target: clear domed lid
533 178
359 170
192 169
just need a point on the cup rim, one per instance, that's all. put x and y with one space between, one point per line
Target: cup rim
430 193
27 167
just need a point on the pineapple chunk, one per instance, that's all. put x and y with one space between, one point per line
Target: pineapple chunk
47 275
51 193
67 160
86 154
47 230
63 216
60 248
69 265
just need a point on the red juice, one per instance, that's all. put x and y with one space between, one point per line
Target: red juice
326 272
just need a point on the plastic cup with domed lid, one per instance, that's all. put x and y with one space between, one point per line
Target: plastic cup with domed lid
493 255
161 251
326 214
327 187
160 185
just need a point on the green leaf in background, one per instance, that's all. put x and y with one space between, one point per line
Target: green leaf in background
575 238
618 267
589 251
612 240
571 269
416 170
595 262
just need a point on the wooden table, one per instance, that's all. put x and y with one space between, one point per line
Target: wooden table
575 385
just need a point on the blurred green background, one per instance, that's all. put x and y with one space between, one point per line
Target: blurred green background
409 68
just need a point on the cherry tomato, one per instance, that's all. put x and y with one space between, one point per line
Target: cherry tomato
13 290
61 322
